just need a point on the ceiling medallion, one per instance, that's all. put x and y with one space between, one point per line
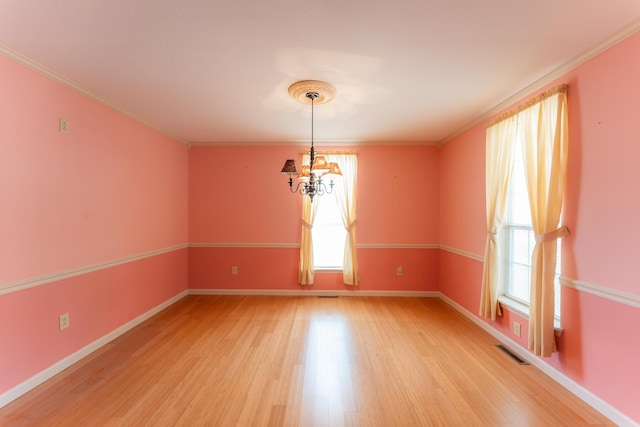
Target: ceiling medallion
312 176
299 90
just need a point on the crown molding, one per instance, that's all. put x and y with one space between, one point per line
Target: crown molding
333 143
605 44
529 90
41 69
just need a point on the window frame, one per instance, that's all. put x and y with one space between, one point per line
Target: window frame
505 241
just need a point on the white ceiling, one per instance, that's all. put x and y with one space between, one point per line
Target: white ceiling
217 71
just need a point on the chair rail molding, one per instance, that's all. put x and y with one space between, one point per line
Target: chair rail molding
30 282
602 291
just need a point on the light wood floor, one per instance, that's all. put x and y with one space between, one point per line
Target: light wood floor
301 361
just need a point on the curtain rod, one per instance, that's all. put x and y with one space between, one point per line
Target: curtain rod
530 103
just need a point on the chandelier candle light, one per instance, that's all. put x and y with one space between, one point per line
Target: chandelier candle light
311 176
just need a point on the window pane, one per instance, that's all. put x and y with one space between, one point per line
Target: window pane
518 241
556 282
522 248
328 245
328 235
519 203
520 282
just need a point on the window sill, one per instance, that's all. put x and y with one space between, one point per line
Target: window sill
522 310
327 270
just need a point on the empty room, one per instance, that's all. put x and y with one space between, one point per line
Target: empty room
319 213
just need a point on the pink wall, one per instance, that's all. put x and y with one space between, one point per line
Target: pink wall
597 350
233 195
462 193
109 189
113 188
97 302
602 181
398 191
238 196
276 269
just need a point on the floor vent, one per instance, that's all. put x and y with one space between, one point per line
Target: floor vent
512 354
328 296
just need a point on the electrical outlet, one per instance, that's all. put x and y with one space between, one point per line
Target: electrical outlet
64 321
399 271
516 329
234 270
64 125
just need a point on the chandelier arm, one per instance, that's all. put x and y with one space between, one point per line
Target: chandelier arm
305 188
323 189
312 188
300 188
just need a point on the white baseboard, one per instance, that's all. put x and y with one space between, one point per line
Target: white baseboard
56 368
587 396
311 292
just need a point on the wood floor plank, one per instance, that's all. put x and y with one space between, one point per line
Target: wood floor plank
301 361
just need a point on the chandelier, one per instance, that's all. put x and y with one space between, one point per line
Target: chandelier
312 176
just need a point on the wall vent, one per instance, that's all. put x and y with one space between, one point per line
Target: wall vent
512 355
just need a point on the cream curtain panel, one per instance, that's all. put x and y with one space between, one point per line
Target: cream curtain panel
541 126
545 138
500 151
305 269
346 196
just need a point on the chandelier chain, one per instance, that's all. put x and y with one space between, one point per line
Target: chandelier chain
314 184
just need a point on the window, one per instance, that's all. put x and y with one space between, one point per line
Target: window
329 235
517 240
330 223
541 126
